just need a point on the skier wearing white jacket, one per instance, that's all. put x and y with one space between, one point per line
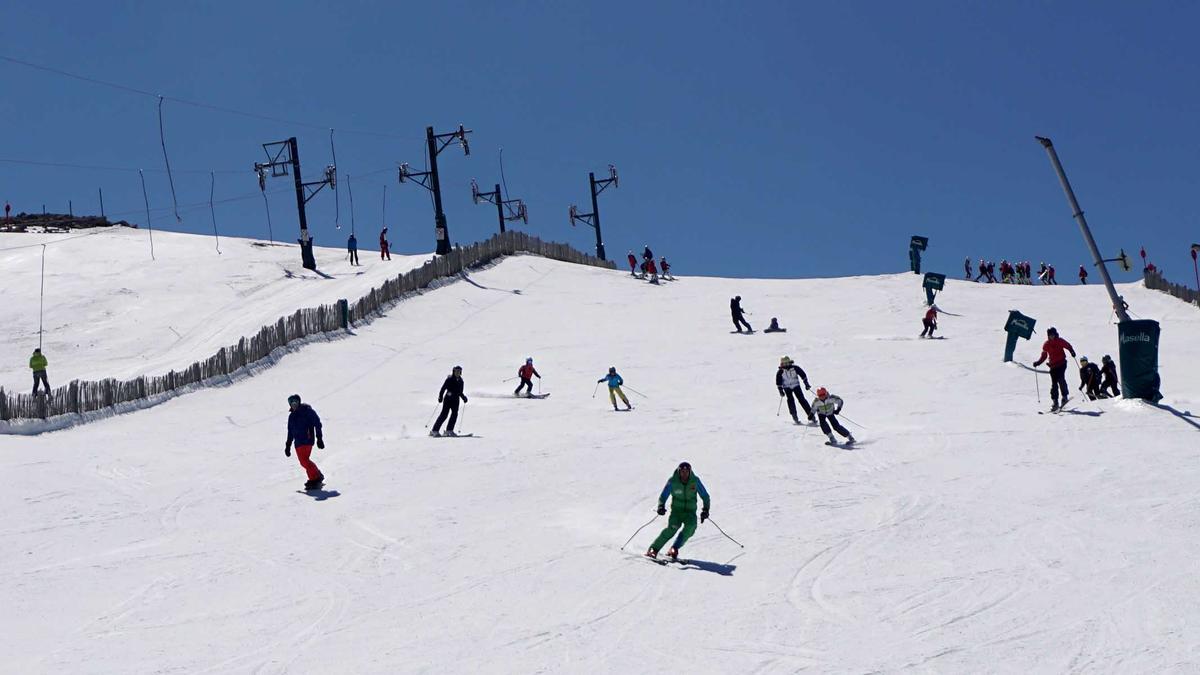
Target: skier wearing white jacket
826 406
787 380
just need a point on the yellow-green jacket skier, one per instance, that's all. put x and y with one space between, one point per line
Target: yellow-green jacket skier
684 488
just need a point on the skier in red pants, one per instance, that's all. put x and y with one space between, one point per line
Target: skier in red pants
303 426
385 252
632 264
1054 352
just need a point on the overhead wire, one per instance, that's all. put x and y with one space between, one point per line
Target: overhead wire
162 139
196 104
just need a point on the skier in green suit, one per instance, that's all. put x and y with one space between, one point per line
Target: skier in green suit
683 487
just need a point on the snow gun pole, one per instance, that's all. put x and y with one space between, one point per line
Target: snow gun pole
638 530
723 532
637 392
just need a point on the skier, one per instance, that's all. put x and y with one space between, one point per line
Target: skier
1042 271
647 254
449 396
930 321
632 263
666 269
1050 275
653 270
739 315
384 248
1089 379
774 327
303 425
787 381
826 406
1082 274
683 487
1109 373
991 272
37 363
614 387
1053 351
967 267
526 372
352 249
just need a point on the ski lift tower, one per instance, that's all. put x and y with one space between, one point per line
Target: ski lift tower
280 156
496 197
435 144
593 218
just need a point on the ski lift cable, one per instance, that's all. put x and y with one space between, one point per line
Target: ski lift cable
162 139
196 104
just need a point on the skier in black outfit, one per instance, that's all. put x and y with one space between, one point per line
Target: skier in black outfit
647 254
1109 373
787 380
739 315
451 392
1089 378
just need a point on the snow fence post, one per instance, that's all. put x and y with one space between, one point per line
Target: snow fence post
344 306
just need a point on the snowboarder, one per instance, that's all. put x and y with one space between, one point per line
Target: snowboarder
385 252
774 327
526 372
352 249
930 321
787 380
1054 352
1082 274
1109 372
37 363
1089 379
683 487
739 315
303 426
449 396
614 388
826 406
632 263
653 270
666 269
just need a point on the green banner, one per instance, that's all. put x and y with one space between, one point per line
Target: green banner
1139 359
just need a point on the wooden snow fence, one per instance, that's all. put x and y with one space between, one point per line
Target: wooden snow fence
1155 281
81 397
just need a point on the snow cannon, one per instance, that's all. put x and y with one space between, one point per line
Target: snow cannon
1018 326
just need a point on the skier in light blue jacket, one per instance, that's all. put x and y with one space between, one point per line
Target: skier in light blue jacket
614 388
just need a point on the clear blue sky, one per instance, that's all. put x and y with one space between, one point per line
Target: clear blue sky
778 139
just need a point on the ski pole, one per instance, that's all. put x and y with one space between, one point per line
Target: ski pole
636 392
511 378
430 420
638 530
851 421
779 408
595 388
723 532
462 416
1038 384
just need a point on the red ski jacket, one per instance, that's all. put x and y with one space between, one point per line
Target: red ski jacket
931 315
1054 349
650 266
527 371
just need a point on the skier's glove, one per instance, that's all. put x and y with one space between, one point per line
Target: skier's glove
781 392
439 399
287 450
808 386
464 399
837 412
320 443
662 510
704 515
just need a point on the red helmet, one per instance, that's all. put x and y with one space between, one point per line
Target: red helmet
822 393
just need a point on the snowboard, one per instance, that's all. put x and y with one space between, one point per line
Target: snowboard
315 488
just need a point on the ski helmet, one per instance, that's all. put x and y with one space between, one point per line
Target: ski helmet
785 361
822 393
1106 358
612 369
294 398
457 369
685 465
1083 359
1052 331
529 360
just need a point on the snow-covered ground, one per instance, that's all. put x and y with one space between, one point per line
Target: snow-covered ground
111 311
966 532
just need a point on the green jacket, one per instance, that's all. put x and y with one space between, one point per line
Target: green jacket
37 362
683 495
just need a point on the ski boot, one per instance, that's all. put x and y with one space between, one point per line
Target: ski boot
850 440
450 433
615 408
1064 403
1054 407
795 419
673 554
832 440
628 407
435 433
651 553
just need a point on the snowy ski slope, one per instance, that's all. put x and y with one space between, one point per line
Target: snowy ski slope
112 312
966 532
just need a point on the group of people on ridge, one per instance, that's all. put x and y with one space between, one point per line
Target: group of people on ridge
648 269
1012 273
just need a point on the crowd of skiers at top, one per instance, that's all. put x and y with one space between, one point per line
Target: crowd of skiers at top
647 268
1015 273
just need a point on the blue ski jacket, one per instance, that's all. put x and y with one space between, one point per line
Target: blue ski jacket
614 380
